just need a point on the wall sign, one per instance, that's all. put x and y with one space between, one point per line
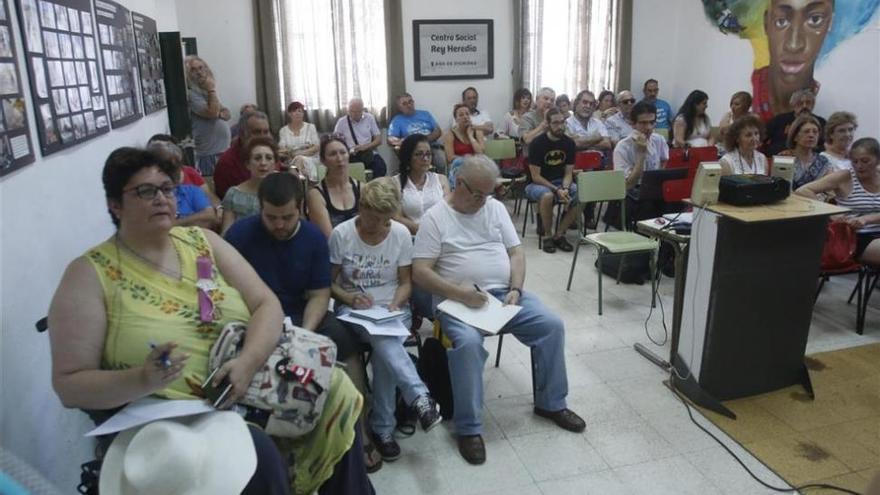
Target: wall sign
453 49
146 38
120 62
66 91
15 138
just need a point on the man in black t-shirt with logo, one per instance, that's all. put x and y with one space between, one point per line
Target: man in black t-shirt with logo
551 161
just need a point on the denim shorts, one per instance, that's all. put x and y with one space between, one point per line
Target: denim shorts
535 191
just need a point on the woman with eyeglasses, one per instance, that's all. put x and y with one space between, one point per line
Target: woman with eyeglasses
522 103
241 201
335 199
692 126
420 188
839 131
127 322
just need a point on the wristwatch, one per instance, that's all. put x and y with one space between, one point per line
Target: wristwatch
517 289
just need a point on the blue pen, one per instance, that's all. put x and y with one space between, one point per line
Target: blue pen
478 288
163 358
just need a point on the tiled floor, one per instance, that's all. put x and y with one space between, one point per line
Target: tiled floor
639 439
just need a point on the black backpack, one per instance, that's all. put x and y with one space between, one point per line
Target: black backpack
434 370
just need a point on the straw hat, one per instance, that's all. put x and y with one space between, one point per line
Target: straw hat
206 454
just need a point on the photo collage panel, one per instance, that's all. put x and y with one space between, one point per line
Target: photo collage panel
119 55
63 60
15 139
146 38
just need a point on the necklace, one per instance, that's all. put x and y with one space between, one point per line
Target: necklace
177 275
751 168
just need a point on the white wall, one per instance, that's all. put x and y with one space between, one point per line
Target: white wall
438 97
51 212
674 43
224 32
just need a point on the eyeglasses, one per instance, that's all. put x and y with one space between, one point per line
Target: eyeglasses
149 191
627 102
424 155
477 195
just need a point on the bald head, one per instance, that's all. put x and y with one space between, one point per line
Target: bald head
356 109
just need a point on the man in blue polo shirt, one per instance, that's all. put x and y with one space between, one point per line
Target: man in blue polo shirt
411 121
651 91
291 256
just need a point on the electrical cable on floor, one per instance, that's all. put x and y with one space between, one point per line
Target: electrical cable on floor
656 296
741 463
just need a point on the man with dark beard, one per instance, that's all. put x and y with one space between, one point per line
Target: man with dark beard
551 163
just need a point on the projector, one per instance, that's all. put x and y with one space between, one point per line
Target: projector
752 189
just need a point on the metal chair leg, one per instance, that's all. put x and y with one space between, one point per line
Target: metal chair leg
858 286
822 280
498 352
574 260
525 219
599 261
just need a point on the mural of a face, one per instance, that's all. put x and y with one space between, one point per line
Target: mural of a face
796 30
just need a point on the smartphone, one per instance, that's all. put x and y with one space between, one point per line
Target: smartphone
216 395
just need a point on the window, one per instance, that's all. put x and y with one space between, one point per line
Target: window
570 45
331 51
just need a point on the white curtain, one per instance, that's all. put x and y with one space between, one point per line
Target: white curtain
329 52
570 45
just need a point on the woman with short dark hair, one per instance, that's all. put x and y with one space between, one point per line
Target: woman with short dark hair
522 103
803 137
741 141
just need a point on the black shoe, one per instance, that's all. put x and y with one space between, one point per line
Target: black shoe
564 418
472 448
549 245
426 408
563 244
387 447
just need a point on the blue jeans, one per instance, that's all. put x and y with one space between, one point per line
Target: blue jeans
392 369
534 326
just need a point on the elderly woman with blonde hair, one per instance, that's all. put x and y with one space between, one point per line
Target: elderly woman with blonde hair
839 133
209 130
371 267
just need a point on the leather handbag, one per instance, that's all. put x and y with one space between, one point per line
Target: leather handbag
840 246
293 383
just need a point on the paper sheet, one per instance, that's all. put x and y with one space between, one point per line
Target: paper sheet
391 327
490 318
377 313
147 409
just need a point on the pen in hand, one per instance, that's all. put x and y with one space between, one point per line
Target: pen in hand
163 359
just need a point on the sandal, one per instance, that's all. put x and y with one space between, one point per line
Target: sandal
372 458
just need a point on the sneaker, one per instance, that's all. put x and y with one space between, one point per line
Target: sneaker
387 447
548 245
563 244
428 412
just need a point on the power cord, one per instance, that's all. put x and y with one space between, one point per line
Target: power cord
656 296
741 463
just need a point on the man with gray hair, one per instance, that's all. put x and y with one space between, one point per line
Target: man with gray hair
362 136
231 169
802 103
619 125
467 250
588 132
533 122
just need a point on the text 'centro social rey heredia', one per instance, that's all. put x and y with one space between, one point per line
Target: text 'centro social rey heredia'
453 48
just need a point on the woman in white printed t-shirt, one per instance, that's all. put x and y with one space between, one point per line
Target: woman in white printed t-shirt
371 266
741 142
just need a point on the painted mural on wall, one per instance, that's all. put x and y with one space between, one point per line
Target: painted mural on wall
788 38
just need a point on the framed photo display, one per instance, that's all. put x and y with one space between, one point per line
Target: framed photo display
453 49
15 140
62 62
116 40
146 39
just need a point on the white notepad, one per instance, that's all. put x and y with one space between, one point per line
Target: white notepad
376 314
393 326
490 318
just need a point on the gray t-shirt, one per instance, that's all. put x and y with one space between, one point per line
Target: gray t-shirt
211 136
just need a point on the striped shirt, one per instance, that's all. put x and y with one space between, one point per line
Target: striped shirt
861 202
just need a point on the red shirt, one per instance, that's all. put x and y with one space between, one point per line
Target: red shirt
192 176
761 93
230 170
